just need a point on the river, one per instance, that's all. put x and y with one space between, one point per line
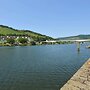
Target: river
45 67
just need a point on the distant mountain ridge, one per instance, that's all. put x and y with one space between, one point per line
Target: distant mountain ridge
75 37
6 30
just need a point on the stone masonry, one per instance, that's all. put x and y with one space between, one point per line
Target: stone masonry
80 80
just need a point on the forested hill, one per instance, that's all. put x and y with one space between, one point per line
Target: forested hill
6 30
75 37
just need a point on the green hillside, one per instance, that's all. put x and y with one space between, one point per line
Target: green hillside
6 30
75 37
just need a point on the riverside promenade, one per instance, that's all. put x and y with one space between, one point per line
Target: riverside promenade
80 80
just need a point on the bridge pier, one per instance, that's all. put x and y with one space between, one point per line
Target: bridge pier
78 46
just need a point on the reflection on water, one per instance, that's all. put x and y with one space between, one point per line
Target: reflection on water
39 67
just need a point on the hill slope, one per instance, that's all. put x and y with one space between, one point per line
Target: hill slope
5 30
75 37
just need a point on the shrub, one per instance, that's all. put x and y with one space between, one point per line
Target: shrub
10 41
23 40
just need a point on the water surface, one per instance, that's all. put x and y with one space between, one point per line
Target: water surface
46 67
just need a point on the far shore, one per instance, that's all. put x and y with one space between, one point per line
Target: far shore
29 44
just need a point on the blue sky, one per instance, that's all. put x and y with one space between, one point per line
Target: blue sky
56 18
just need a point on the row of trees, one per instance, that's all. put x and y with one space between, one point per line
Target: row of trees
19 41
14 35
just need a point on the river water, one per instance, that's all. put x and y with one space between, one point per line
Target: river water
46 67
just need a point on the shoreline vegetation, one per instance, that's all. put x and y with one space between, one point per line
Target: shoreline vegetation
26 42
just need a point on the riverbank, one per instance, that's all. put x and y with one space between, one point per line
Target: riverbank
80 80
34 43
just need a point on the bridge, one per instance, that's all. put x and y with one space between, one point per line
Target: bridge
78 40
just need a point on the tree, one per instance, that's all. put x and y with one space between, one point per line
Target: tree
23 40
10 41
32 42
